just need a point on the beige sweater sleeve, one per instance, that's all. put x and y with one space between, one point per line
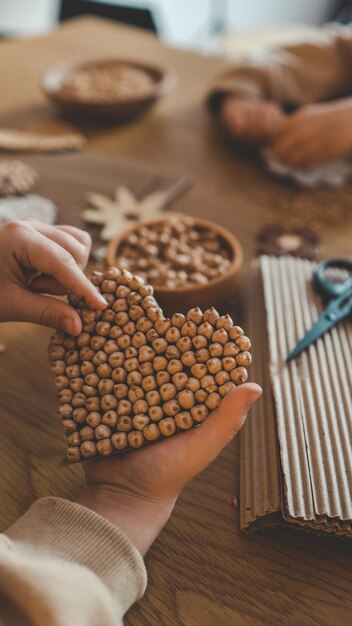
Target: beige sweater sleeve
308 71
62 564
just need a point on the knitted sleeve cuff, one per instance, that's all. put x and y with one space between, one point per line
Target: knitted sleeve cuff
72 532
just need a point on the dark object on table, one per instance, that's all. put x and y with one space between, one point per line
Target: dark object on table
276 240
141 18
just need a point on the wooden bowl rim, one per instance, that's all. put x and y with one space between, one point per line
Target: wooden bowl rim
232 241
164 81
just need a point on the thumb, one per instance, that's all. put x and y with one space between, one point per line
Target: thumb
44 310
220 427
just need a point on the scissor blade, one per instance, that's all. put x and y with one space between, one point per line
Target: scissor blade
321 326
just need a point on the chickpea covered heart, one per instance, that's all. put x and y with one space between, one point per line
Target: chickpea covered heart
133 376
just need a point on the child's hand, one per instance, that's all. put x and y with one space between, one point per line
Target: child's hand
256 121
315 135
36 258
137 490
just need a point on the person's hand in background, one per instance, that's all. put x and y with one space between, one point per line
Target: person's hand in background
137 490
315 135
255 121
36 258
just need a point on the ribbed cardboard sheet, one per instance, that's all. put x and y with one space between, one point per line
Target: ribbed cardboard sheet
296 449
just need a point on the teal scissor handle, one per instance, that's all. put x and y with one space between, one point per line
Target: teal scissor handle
325 286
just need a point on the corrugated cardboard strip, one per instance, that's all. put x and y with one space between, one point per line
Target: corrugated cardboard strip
296 448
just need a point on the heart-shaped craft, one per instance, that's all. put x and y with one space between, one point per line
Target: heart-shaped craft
133 376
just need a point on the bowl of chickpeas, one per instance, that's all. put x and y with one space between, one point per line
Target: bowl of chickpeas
189 261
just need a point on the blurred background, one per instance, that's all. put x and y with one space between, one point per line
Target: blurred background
211 26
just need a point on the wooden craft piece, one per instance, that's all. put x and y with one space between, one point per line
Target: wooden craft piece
116 213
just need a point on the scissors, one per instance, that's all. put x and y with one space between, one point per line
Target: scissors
339 294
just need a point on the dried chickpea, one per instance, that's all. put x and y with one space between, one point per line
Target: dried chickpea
225 321
230 349
220 336
171 407
135 393
162 326
198 370
102 431
119 440
160 363
202 355
106 385
104 447
213 401
87 433
140 421
199 341
184 420
89 390
244 359
186 398
180 380
172 335
102 329
93 419
124 341
93 404
110 418
189 329
141 406
80 415
239 375
147 368
195 315
108 402
139 339
201 396
177 320
199 412
155 413
116 359
226 388
184 344
162 377
88 449
151 432
115 332
167 426
172 352
124 424
131 365
188 358
129 329
235 332
222 377
135 439
119 375
228 363
146 353
134 378
73 454
149 383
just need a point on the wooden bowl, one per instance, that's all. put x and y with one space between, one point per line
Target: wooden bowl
217 292
114 109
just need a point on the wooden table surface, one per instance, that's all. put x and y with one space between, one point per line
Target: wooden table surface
202 570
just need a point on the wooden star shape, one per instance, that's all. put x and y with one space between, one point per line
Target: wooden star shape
116 213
